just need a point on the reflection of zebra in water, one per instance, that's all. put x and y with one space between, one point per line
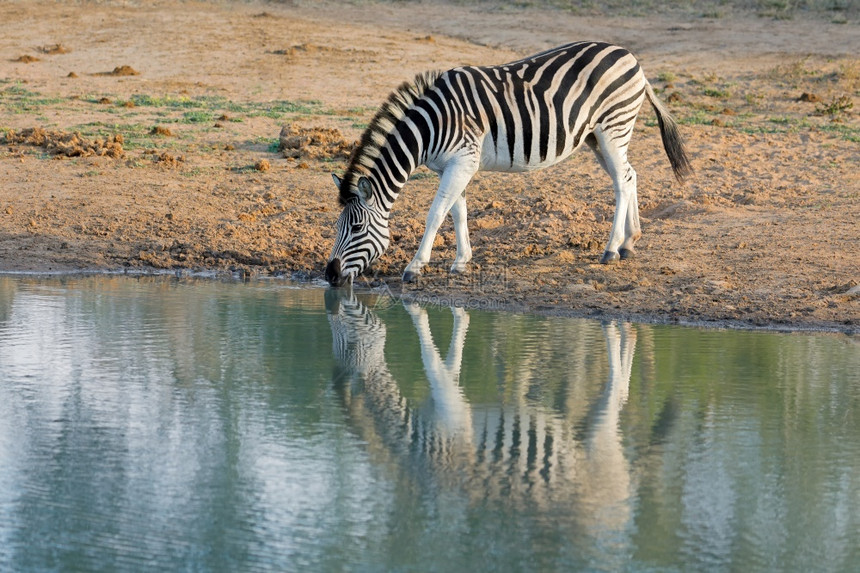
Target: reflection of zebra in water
520 116
358 343
518 452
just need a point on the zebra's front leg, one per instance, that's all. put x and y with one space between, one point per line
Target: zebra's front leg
451 189
461 231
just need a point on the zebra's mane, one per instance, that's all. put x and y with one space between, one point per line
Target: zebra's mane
373 138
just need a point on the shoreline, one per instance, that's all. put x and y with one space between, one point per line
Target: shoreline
456 299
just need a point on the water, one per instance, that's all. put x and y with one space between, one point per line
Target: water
163 424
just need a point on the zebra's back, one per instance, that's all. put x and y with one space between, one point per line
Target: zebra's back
535 112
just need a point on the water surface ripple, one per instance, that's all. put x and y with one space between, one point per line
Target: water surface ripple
156 423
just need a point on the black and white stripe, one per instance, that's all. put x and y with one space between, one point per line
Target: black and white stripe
520 116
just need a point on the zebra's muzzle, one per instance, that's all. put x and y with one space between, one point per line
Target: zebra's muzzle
333 274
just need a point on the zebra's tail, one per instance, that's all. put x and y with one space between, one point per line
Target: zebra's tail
672 142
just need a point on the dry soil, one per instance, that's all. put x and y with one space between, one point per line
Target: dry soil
193 135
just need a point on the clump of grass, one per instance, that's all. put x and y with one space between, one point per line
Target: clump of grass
776 9
849 73
197 117
782 120
716 93
792 71
753 98
835 107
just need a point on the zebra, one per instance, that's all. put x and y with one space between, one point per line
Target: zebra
522 116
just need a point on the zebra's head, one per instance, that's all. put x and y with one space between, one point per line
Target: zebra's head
362 232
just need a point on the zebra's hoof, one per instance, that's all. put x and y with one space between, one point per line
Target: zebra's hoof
626 254
410 277
609 257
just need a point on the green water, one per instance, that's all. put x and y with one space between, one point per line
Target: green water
162 424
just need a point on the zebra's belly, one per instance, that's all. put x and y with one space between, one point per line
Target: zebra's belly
493 161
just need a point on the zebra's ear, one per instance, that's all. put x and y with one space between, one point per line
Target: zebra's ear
337 180
364 189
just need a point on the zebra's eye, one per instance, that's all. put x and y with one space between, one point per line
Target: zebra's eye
356 228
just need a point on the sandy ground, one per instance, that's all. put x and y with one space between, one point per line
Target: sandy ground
149 136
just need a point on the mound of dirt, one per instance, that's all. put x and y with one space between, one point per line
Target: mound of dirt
165 159
161 130
66 144
120 71
26 59
313 143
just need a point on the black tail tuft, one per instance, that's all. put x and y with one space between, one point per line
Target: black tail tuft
672 142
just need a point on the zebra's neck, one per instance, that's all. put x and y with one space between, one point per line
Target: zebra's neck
394 143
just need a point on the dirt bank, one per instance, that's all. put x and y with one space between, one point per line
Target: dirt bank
203 135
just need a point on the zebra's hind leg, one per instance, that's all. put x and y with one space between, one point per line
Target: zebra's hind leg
632 228
461 231
612 155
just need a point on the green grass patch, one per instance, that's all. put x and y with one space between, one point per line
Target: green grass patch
280 109
697 117
197 116
16 99
782 120
144 100
717 93
205 108
846 132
